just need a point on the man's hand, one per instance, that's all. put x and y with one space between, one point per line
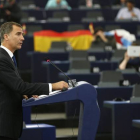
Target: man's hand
25 97
59 85
35 96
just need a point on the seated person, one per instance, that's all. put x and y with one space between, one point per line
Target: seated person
11 11
60 4
129 12
87 3
99 38
122 3
130 62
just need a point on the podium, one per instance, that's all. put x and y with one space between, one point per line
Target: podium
89 110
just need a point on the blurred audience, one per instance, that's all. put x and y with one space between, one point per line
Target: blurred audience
102 39
11 11
129 12
87 3
59 4
121 3
130 62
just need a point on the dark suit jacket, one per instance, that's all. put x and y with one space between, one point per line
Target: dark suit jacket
12 88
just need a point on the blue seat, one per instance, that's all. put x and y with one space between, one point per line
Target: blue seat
38 132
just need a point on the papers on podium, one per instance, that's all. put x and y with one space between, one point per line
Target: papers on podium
50 94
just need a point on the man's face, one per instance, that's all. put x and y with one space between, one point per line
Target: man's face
15 38
129 6
58 1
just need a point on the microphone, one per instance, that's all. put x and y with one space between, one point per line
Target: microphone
48 60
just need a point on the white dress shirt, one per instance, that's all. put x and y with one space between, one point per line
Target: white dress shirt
11 55
124 13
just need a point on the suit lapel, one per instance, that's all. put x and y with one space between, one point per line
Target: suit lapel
10 60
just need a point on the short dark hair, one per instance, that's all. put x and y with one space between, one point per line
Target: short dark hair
7 28
98 29
130 1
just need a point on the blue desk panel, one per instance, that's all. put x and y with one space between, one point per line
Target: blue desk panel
122 115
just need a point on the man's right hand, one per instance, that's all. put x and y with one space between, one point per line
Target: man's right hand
59 85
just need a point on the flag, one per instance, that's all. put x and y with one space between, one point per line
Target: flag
123 38
79 40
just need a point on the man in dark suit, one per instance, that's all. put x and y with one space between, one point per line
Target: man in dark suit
12 87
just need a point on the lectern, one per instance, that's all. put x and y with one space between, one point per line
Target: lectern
89 110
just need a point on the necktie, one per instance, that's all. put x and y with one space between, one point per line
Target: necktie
14 59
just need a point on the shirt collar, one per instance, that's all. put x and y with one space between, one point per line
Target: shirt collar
8 51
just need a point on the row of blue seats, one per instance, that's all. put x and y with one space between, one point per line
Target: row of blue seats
63 26
75 14
50 74
132 27
94 78
37 58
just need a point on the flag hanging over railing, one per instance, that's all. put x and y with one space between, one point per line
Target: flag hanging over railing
79 40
